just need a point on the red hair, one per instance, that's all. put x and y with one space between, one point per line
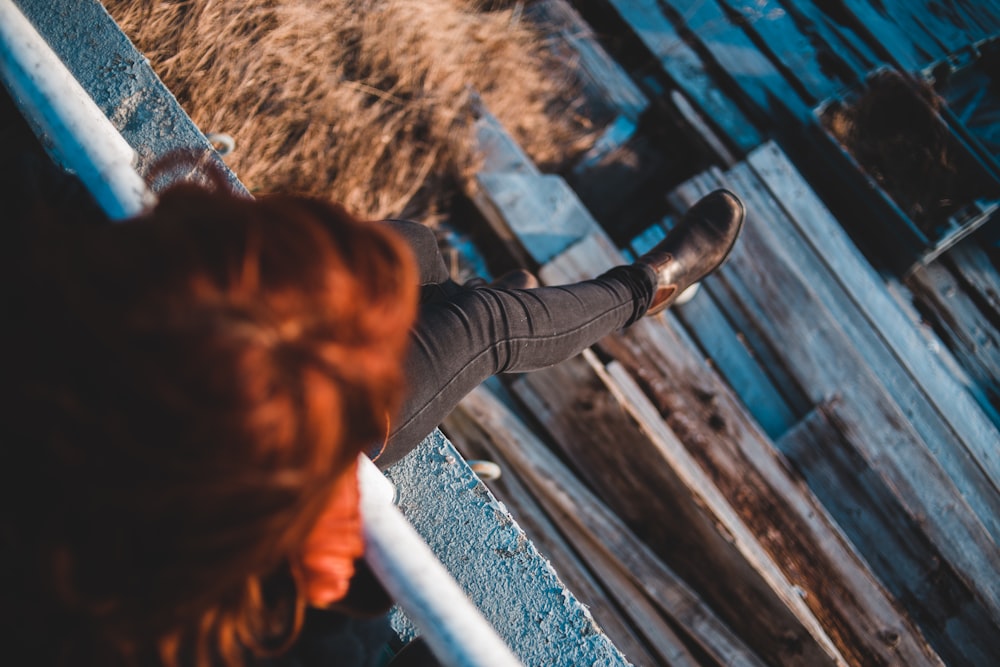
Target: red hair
188 392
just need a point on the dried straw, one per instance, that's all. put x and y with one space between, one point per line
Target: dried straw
360 101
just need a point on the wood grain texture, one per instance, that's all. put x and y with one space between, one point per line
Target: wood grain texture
828 362
687 69
698 537
821 448
490 437
921 382
572 505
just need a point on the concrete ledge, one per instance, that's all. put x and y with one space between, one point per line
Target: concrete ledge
491 558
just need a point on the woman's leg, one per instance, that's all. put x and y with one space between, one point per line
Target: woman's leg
435 280
474 333
465 335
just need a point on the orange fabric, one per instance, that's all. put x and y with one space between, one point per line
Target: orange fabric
334 543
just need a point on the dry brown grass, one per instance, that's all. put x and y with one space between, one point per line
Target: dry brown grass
356 100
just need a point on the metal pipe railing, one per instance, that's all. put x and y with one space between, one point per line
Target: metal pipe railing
81 138
70 125
452 626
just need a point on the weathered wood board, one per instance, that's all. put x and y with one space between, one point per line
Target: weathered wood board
604 83
786 56
692 529
832 263
959 296
746 468
917 32
476 437
603 534
841 611
812 67
688 70
826 358
754 75
823 448
728 353
839 46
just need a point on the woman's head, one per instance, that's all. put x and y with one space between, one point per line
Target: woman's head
185 389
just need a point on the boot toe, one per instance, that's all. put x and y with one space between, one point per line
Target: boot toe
699 243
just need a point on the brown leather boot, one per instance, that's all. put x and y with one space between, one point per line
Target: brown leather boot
695 247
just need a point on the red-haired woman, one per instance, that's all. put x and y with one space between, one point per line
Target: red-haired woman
187 392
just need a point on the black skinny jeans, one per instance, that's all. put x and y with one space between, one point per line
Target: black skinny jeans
464 335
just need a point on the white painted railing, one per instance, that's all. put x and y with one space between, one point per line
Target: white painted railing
70 125
452 626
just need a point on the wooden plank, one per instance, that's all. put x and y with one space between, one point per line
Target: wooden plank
953 620
741 461
603 77
703 541
897 342
700 125
730 445
979 275
767 355
831 573
884 35
572 504
668 646
509 189
729 355
776 33
830 25
687 69
985 14
979 279
477 438
759 80
496 149
615 136
913 34
877 347
649 237
970 335
609 91
931 29
726 350
827 362
625 181
546 215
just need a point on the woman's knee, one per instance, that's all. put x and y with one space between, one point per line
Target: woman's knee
423 243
